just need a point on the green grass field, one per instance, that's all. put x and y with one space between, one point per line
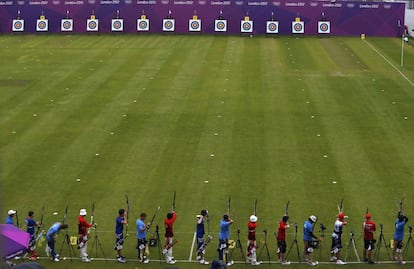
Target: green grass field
275 119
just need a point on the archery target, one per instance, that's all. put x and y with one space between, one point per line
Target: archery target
220 26
117 25
66 25
42 25
298 27
324 27
18 26
143 25
194 25
246 26
272 27
92 25
168 25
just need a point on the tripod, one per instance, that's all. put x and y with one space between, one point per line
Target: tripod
410 240
66 241
322 239
158 241
352 244
239 246
265 247
381 242
294 243
96 243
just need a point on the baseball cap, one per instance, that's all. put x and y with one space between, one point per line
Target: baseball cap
341 216
367 216
11 212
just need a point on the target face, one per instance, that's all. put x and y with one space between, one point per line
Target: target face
168 25
272 27
298 27
194 25
246 26
220 26
143 25
42 25
324 27
66 25
18 26
117 25
92 25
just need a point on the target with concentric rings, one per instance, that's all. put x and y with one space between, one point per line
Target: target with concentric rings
18 25
42 25
324 27
92 25
117 25
272 27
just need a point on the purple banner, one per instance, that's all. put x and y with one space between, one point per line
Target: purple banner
346 18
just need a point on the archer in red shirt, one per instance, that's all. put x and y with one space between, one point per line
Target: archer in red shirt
83 234
169 234
251 236
281 239
369 241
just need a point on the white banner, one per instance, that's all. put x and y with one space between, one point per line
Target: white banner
220 25
168 25
42 25
92 25
194 25
66 25
246 26
117 25
18 26
324 27
298 27
143 25
272 27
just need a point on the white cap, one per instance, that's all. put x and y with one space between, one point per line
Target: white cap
11 212
82 212
313 218
253 218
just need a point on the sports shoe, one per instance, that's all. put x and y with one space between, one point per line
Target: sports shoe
332 259
86 260
202 261
229 263
56 259
340 262
403 262
312 263
254 263
145 261
121 260
171 261
285 263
